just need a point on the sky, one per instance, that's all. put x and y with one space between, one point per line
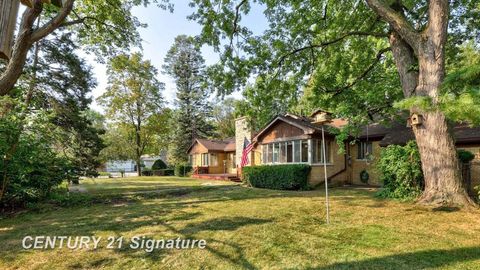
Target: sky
158 37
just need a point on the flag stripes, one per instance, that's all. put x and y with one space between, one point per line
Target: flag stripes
247 148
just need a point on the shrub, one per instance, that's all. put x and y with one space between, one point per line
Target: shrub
465 156
284 177
182 169
104 174
401 171
147 172
164 172
159 165
33 171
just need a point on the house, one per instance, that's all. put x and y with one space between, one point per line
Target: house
297 139
129 166
214 157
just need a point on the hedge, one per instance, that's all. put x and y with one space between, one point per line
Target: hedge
182 170
284 177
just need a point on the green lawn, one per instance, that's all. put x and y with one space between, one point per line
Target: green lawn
143 184
246 228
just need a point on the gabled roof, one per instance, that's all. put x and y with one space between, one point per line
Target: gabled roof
301 122
226 145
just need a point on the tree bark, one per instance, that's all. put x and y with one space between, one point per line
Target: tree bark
8 21
138 151
27 36
23 43
441 168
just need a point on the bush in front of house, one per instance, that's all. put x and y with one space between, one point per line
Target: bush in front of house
147 172
183 169
159 165
164 172
401 172
283 177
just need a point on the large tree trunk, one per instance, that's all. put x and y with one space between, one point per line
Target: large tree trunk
138 162
441 169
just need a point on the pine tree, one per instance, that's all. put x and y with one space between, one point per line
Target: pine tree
185 64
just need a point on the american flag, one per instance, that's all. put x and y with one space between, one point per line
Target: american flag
247 148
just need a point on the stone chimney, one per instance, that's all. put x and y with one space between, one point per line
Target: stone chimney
242 131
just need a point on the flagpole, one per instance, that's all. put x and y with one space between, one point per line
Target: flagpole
325 175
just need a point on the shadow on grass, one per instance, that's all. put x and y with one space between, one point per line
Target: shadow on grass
222 224
427 259
446 209
155 209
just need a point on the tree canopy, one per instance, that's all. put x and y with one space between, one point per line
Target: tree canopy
104 27
133 99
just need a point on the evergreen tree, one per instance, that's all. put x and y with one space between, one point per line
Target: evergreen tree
65 96
185 64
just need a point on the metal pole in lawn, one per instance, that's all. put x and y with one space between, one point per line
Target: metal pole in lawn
325 175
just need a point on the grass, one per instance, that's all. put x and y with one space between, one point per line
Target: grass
247 228
144 184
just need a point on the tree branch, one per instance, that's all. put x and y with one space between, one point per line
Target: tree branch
53 23
235 21
326 43
364 74
397 21
437 22
20 50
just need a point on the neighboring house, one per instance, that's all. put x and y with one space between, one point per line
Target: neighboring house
214 156
120 165
130 165
291 139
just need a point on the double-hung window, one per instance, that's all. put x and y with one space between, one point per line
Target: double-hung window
318 151
213 160
365 150
205 160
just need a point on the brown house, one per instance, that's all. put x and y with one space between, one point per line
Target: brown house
213 156
295 139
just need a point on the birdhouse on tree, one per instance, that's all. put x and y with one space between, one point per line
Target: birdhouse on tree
415 120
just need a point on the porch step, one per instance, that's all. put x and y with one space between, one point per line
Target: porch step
234 179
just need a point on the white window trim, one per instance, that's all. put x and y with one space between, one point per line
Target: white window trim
310 153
